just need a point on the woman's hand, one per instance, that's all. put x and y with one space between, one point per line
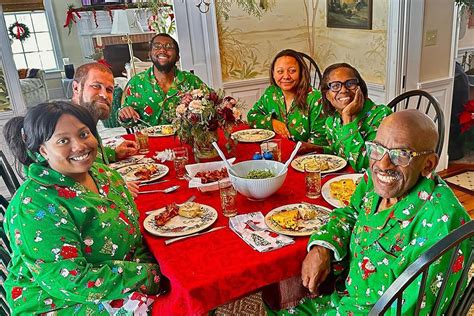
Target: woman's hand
133 188
352 109
280 128
316 268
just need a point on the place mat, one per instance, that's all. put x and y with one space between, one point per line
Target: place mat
464 180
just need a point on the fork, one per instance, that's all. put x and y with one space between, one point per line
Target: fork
167 190
254 226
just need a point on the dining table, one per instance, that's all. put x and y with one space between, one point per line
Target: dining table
212 269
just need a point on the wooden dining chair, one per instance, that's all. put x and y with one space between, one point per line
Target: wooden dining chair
8 176
314 71
425 102
459 303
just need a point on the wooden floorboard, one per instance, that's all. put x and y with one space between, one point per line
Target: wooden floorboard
466 199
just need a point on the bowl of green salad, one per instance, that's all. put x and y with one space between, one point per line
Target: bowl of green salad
257 179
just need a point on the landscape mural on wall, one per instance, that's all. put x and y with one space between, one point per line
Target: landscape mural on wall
251 32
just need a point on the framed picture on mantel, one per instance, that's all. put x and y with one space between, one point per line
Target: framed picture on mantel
350 14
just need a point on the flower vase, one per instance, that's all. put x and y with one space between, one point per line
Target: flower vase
203 149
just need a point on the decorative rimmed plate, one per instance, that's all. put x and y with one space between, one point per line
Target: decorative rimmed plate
328 163
253 135
157 131
305 227
326 189
132 160
181 226
157 171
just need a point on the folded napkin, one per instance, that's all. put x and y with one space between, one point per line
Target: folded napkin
165 155
262 240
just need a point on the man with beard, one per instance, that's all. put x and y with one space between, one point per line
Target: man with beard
154 94
400 209
93 88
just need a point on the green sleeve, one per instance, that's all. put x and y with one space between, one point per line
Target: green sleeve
110 153
336 234
50 258
317 121
261 114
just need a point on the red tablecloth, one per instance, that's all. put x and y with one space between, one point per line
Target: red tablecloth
216 268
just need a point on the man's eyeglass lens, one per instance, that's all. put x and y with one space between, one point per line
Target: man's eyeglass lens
350 84
158 46
399 157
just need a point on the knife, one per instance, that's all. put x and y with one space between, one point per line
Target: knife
172 240
152 182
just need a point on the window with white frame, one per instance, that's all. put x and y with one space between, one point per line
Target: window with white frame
36 51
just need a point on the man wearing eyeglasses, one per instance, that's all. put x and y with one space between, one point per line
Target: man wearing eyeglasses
398 211
153 95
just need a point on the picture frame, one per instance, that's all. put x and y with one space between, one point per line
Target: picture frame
349 14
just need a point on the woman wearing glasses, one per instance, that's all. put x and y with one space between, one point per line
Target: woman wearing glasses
352 118
290 105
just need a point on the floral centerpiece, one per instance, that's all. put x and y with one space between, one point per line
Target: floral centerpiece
198 117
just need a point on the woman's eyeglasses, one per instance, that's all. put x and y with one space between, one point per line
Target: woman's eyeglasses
158 46
336 86
399 157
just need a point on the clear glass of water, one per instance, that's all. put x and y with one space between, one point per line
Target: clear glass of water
228 198
181 159
312 176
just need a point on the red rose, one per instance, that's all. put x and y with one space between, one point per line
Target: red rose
228 115
213 97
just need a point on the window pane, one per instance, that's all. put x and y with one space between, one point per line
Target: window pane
44 41
19 61
16 46
48 60
9 20
33 60
25 19
39 21
29 44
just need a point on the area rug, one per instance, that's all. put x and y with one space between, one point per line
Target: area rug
251 305
463 181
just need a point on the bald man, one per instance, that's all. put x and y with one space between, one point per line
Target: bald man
398 211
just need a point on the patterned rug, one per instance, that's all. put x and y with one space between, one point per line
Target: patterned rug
251 305
464 180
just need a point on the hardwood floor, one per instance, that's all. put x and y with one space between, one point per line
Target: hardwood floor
466 198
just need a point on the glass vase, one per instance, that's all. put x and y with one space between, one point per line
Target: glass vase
202 146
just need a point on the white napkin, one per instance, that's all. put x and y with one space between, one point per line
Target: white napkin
165 155
207 166
262 241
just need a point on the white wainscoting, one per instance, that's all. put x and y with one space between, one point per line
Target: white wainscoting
442 90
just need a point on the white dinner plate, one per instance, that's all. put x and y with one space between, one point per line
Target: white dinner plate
128 172
156 131
332 163
305 227
253 135
132 160
181 226
326 191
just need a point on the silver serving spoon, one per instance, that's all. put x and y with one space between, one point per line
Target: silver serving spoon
167 190
221 154
298 145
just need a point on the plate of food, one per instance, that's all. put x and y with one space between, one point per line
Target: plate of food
205 176
144 172
301 219
160 130
132 160
253 135
327 163
338 190
180 220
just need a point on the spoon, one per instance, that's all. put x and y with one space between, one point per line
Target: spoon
298 145
167 190
221 154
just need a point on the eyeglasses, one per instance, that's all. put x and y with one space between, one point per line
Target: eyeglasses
399 157
336 86
158 46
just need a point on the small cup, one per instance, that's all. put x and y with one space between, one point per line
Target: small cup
228 198
181 159
142 141
312 176
273 146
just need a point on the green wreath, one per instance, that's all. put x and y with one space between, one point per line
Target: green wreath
19 31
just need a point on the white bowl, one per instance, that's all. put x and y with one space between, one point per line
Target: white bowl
257 189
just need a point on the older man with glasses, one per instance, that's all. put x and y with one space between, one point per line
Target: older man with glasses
153 95
398 211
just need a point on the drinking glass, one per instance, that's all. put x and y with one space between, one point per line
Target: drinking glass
228 197
141 137
312 176
273 146
180 161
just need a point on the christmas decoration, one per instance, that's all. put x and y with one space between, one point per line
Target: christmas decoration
19 31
